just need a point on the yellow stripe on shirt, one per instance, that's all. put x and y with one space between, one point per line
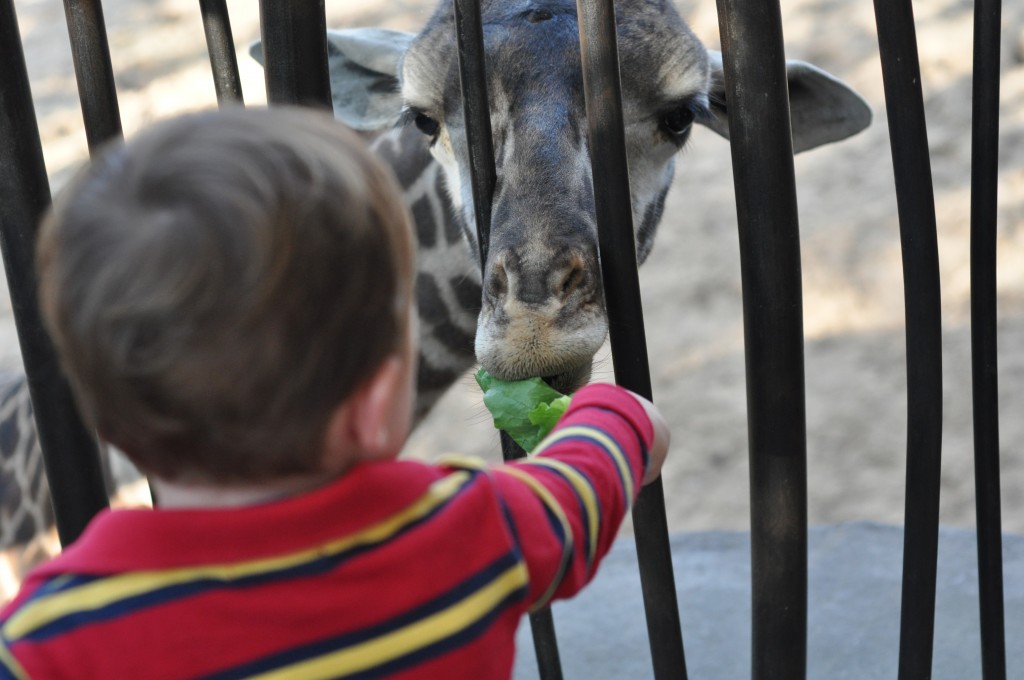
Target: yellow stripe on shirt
607 443
108 591
556 509
586 494
8 661
411 638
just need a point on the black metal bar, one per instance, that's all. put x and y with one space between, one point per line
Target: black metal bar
984 197
617 246
295 52
542 622
908 137
91 54
69 449
476 111
766 204
473 77
221 46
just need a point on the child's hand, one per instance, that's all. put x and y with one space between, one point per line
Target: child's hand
662 437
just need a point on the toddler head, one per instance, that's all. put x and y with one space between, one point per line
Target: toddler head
219 284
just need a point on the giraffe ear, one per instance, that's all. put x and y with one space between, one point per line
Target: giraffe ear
823 109
363 64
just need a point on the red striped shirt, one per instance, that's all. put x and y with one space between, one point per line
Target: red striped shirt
398 569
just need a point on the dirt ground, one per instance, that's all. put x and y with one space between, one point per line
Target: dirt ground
855 347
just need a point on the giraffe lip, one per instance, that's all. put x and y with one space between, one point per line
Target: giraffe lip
569 381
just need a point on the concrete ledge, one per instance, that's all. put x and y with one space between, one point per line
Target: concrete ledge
854 608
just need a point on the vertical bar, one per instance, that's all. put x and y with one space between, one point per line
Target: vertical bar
221 46
766 205
473 77
613 207
901 75
70 451
542 622
984 196
476 111
93 71
295 52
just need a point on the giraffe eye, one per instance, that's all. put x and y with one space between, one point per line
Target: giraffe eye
678 121
426 125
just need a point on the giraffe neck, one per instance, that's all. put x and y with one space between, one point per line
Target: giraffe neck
447 279
24 494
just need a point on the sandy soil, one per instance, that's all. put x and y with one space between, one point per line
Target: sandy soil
855 347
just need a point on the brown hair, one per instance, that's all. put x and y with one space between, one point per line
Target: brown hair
217 286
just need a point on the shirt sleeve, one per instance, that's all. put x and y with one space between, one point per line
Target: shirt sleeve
564 504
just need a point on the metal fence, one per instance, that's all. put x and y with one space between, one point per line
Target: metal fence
751 33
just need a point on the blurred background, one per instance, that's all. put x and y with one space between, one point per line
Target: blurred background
853 293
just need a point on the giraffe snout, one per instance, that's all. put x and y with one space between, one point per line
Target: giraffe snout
541 317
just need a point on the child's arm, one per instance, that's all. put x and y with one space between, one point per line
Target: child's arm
565 504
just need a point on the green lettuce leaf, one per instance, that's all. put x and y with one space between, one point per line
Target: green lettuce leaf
526 409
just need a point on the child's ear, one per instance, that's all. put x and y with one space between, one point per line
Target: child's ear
369 424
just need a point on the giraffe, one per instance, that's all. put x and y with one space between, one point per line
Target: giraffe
536 306
26 515
28 535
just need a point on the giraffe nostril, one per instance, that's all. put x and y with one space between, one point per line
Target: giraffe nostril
497 282
572 281
574 277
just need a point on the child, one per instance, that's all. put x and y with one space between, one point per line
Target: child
231 295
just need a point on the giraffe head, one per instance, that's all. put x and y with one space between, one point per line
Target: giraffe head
542 311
